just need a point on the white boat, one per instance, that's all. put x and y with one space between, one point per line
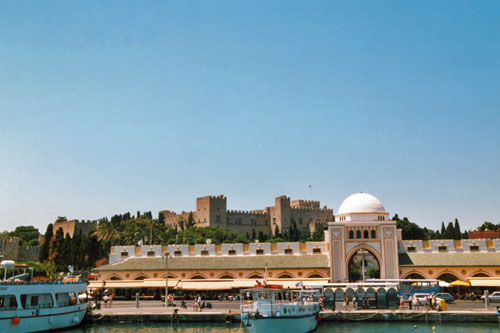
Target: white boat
265 309
27 306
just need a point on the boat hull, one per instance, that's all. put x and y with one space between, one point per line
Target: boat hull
42 319
285 324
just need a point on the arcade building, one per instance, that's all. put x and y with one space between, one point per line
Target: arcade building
361 243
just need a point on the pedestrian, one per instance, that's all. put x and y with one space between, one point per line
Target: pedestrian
105 299
346 300
199 302
414 300
401 302
354 302
410 302
110 300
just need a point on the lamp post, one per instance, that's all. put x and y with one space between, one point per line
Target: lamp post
363 253
166 278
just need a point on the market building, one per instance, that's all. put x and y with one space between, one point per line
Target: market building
360 243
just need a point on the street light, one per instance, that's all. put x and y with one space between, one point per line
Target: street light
167 255
363 253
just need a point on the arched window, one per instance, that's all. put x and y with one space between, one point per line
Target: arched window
365 234
374 233
197 277
351 234
358 234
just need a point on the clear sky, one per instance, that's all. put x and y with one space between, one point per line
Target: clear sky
115 106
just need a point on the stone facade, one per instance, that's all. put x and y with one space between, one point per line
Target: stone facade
10 250
212 211
73 226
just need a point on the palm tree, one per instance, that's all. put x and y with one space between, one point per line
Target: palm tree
106 232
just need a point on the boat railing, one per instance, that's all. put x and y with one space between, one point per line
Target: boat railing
264 310
39 282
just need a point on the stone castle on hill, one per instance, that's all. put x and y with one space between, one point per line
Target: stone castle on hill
212 211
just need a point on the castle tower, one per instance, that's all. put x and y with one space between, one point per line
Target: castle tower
211 211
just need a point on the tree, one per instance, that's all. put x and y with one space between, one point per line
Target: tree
457 231
181 221
450 231
443 230
277 231
57 248
190 220
44 249
61 219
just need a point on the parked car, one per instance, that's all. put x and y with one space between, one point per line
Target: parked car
494 298
446 296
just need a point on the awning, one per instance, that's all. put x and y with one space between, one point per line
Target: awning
205 285
460 283
443 284
484 282
117 284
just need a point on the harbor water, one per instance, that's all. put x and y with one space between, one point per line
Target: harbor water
354 327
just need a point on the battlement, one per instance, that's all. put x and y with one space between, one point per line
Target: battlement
305 204
212 197
247 212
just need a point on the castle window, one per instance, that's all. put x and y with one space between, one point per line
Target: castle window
374 233
217 218
204 252
317 250
151 253
124 254
288 251
351 234
274 220
259 251
178 253
411 249
231 252
365 234
442 248
474 248
358 234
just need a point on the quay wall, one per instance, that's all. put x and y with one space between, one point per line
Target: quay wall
327 316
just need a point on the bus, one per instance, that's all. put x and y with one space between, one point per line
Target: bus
409 287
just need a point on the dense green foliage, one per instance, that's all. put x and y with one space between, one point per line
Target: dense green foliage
28 235
411 230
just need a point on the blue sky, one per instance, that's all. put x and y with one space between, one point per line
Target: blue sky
115 106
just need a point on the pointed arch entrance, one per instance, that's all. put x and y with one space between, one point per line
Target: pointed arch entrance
363 258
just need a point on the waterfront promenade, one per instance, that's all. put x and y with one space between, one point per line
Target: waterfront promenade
154 311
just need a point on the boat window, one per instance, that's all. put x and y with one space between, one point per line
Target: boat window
8 302
23 301
33 300
12 302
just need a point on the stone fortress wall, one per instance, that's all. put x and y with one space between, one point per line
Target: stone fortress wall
212 211
73 226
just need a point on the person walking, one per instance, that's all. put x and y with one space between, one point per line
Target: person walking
410 302
414 300
354 302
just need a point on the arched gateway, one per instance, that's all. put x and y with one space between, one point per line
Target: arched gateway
362 236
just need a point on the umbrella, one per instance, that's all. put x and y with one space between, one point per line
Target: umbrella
444 284
460 283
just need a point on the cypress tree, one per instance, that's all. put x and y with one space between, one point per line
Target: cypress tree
276 231
458 232
443 230
45 248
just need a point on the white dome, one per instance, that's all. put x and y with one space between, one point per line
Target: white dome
361 203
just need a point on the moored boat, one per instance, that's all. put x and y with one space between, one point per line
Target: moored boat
27 306
272 309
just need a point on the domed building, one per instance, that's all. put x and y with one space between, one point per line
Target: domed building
363 241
